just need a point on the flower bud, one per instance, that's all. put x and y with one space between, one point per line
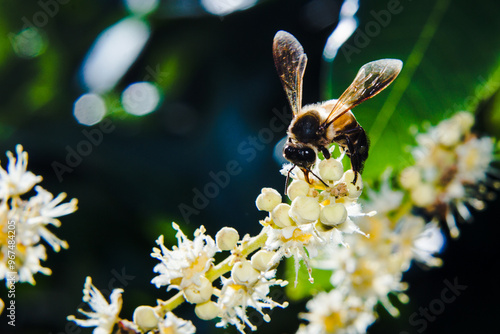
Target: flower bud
268 199
450 135
304 210
244 273
330 170
465 121
207 310
227 238
353 190
423 195
297 188
195 294
333 214
146 318
281 217
261 260
409 177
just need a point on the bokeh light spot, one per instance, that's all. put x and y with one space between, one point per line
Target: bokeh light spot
89 109
114 51
140 98
141 7
29 43
225 7
278 152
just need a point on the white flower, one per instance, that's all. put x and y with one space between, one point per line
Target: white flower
385 199
235 298
17 179
37 213
319 217
370 278
429 242
174 325
337 312
474 158
414 239
103 315
31 264
28 220
451 170
293 241
186 263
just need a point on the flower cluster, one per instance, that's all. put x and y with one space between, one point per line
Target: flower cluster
450 171
322 224
318 216
451 166
24 222
189 268
371 268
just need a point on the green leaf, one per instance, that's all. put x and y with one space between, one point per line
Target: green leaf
447 60
304 288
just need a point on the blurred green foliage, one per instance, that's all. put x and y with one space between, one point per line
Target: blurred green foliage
451 62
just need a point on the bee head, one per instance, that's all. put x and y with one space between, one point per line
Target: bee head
300 155
306 127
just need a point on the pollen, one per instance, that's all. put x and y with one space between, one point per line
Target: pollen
300 236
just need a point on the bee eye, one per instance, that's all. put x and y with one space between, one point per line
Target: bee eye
301 156
309 154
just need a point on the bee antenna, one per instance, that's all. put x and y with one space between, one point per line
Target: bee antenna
288 177
310 171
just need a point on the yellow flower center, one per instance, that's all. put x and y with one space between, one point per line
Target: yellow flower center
333 322
362 277
299 236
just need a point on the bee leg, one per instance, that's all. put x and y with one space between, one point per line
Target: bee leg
355 162
355 177
325 152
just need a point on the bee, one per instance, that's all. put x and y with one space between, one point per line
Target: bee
314 127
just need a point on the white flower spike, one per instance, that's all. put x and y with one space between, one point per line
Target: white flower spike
186 263
103 315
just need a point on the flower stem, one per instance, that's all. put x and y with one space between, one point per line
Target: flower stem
245 249
165 306
402 210
215 272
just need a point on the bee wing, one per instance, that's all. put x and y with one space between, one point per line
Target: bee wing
290 61
371 79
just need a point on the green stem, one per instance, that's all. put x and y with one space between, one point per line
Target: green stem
402 210
164 306
414 59
225 266
215 272
488 89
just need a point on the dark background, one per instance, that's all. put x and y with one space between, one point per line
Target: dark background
219 90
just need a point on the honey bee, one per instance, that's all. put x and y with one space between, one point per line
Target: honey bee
314 127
